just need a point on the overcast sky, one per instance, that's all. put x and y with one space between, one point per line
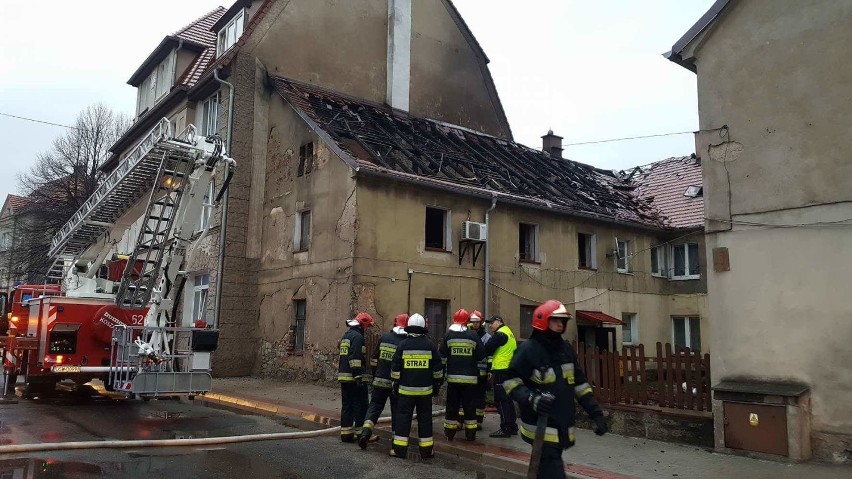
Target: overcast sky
587 70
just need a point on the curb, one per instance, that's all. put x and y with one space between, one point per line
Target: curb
278 409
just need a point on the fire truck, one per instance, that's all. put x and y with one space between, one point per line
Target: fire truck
114 315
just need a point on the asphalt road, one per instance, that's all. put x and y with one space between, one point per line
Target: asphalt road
87 416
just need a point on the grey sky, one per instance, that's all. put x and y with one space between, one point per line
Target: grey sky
588 70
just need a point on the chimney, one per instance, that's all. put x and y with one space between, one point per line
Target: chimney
552 144
399 53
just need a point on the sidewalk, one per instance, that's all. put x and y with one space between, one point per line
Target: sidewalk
607 457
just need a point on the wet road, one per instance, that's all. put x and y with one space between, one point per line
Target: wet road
87 416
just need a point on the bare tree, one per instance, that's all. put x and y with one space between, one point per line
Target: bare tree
61 180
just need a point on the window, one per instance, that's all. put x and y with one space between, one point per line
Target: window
201 284
435 311
156 84
207 208
685 261
686 332
306 159
299 315
210 116
528 242
694 191
658 261
526 320
438 229
302 239
622 261
230 33
587 249
630 329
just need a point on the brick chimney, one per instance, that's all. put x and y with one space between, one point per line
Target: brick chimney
552 144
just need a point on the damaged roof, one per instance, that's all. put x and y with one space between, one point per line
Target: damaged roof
376 139
674 187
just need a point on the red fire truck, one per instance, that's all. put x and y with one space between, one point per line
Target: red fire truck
117 320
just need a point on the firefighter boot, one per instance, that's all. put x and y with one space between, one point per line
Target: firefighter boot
470 430
450 428
364 438
426 452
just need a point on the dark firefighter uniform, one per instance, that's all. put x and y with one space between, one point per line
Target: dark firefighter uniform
418 372
350 374
462 352
482 384
546 363
501 347
382 383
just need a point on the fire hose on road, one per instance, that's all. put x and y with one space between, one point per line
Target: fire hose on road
207 441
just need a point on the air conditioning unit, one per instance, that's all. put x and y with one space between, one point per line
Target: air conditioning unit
473 231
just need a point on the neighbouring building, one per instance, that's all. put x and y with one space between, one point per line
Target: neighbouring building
368 159
774 110
12 225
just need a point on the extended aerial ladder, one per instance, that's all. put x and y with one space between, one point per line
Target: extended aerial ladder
159 187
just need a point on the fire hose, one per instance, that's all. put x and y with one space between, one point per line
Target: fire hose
207 441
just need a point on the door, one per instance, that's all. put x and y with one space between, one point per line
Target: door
436 311
756 427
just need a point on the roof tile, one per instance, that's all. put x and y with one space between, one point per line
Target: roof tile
664 183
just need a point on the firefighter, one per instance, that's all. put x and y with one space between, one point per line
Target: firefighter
352 377
462 351
382 383
548 364
501 347
418 374
475 324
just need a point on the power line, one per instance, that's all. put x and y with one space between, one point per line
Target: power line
40 121
627 138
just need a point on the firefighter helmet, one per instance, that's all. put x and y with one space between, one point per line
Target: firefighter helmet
475 316
461 316
549 309
401 320
416 321
362 319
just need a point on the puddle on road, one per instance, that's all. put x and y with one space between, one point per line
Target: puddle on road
52 469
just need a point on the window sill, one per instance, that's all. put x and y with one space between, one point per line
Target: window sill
655 275
624 271
300 251
529 261
587 268
685 278
437 250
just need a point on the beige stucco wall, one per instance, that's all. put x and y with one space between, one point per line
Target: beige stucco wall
778 78
343 46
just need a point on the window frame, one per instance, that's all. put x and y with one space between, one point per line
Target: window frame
686 265
591 251
662 261
626 258
631 321
299 323
223 42
447 227
534 240
306 161
210 115
199 294
299 236
207 207
687 331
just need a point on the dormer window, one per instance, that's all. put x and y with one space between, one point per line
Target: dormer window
230 33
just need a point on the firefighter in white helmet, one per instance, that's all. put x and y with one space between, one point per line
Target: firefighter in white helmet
418 372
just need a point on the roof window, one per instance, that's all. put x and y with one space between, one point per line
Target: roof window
694 191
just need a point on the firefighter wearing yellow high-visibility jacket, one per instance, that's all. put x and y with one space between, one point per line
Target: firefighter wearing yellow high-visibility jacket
418 373
352 377
462 352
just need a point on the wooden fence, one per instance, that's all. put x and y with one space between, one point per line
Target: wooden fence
678 379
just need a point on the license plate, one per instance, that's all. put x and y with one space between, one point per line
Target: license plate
66 369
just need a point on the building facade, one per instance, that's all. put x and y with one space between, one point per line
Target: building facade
774 111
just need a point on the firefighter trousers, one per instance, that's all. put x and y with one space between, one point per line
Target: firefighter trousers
505 405
406 406
377 405
464 396
353 408
481 388
551 465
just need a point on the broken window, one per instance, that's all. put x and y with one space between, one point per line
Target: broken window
210 116
622 262
437 228
299 316
685 261
435 311
306 159
686 332
303 231
587 251
528 242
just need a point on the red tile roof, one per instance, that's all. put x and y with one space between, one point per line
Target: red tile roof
597 317
664 183
192 74
17 202
375 139
198 30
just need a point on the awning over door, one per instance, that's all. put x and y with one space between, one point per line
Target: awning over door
597 317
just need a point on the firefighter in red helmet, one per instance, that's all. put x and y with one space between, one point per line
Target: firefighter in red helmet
461 351
475 324
352 377
544 378
382 383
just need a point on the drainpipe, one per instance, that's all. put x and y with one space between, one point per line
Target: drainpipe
488 256
220 266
